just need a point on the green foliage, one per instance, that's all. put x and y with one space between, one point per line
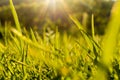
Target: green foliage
54 56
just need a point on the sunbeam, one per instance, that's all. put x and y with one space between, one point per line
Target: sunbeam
56 8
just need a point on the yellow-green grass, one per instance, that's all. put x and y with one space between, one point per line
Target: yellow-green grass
54 56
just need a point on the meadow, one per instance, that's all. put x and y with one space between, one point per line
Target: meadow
27 55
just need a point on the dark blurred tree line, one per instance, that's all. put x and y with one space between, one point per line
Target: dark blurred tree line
34 13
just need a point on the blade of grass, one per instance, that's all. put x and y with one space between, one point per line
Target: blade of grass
109 44
92 25
33 35
83 32
110 39
15 16
76 22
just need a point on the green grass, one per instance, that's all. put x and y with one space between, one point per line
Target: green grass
54 56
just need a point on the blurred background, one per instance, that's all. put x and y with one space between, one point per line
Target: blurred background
55 13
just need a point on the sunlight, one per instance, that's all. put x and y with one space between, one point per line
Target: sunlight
51 3
57 6
54 9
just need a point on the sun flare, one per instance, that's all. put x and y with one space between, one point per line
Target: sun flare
51 2
56 7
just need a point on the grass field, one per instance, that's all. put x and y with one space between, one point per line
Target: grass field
26 55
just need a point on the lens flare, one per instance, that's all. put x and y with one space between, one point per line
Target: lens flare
57 6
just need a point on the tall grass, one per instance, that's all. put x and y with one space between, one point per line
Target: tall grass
54 56
15 16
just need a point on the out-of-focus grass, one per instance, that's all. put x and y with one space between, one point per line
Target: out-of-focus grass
54 56
111 36
111 39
